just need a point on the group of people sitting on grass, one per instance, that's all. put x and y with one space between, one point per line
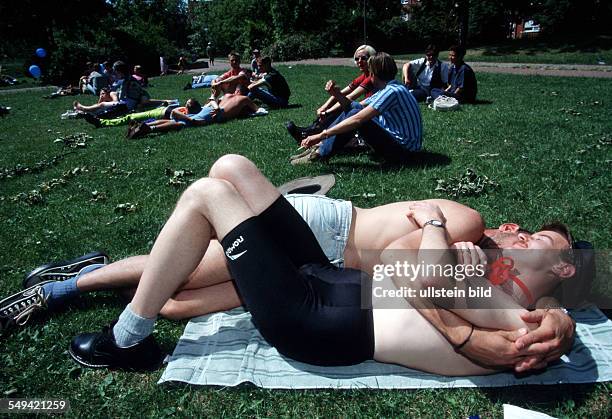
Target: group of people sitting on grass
388 119
232 96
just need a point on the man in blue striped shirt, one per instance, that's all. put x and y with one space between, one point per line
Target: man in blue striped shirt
389 121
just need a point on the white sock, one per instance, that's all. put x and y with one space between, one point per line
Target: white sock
131 328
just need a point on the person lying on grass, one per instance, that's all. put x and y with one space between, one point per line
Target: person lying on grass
205 285
162 112
229 108
389 121
362 85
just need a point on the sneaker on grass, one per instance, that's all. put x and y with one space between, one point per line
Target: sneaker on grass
17 309
66 269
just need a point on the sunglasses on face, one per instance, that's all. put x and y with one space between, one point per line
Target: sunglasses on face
361 58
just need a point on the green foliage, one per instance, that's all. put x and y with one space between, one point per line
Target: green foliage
295 47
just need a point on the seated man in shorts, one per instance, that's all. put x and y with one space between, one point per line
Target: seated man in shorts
230 107
235 81
235 170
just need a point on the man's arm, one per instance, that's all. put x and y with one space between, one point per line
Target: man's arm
347 125
486 347
350 97
258 83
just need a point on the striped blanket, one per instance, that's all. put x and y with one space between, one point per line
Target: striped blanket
225 349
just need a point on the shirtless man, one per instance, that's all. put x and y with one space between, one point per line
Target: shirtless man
209 287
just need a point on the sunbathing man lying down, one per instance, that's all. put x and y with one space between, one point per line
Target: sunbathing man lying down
230 107
265 241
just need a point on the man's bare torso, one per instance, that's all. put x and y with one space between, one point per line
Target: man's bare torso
403 336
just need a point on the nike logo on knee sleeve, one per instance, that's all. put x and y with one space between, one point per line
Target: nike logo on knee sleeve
234 257
233 247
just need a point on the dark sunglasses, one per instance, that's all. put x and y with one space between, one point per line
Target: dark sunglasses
361 58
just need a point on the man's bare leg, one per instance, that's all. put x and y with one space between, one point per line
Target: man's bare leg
209 208
95 107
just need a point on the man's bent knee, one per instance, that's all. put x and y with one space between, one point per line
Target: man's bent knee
206 191
231 166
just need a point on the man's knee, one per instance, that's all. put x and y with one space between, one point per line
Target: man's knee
205 191
173 310
231 167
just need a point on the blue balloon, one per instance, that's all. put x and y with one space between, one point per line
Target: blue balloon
35 71
41 52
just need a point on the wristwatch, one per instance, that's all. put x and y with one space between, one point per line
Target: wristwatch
435 223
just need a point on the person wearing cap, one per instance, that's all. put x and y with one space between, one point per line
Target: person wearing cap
209 288
276 93
423 74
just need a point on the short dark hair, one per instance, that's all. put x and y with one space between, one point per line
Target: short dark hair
233 54
432 49
195 106
458 49
383 66
121 67
562 229
266 60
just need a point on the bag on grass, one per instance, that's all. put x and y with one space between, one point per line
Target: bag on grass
445 103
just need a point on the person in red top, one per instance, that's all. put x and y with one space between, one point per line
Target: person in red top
235 81
362 85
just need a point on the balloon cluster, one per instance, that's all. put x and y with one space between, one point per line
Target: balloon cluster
34 69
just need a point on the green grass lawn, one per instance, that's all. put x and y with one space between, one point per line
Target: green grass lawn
546 141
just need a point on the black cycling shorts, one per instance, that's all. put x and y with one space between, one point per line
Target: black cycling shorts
306 308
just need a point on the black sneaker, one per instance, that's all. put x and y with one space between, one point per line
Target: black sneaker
17 309
93 120
99 350
296 132
66 269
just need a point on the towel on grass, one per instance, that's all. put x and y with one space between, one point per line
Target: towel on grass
226 349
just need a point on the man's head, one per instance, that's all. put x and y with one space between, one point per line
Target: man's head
542 260
382 66
193 106
256 53
431 53
456 53
234 59
121 69
265 63
361 56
